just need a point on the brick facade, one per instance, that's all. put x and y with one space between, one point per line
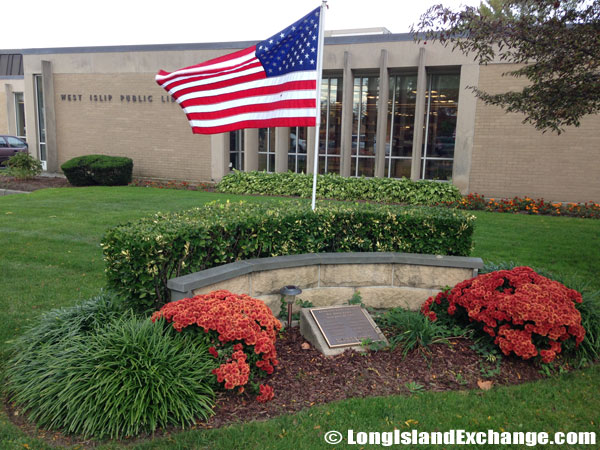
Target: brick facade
514 159
126 114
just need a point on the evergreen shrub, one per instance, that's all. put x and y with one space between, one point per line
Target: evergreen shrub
332 186
92 170
141 256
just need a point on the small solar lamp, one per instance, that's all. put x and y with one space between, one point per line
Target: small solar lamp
289 293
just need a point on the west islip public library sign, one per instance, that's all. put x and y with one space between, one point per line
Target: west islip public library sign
123 98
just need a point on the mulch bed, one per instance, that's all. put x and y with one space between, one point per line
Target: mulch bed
304 378
32 184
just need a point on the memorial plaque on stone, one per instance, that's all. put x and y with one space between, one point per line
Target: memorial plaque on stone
344 326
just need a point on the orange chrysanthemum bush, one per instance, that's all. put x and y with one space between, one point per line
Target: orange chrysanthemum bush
243 331
527 314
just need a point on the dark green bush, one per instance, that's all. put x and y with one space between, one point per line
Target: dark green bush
123 378
143 255
91 170
332 186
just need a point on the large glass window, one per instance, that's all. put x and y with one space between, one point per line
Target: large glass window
20 115
266 149
330 132
297 149
400 125
440 126
41 118
364 125
236 150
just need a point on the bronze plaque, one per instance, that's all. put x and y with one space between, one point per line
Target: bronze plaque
345 325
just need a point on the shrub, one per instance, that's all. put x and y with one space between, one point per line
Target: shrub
91 170
526 313
22 166
126 377
142 256
332 186
241 329
412 330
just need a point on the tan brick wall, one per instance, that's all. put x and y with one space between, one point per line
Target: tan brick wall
155 134
511 158
3 111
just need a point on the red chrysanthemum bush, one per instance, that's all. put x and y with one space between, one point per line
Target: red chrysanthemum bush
243 331
526 313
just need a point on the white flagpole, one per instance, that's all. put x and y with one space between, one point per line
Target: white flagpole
318 118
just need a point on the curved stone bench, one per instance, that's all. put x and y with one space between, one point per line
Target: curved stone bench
384 280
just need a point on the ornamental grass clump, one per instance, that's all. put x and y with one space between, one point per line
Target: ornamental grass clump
526 314
121 379
241 330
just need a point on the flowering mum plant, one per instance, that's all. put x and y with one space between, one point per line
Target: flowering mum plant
242 330
526 313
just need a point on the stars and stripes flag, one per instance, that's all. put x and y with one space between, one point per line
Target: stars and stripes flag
271 84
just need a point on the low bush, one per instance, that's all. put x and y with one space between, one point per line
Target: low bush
91 170
241 330
527 314
332 186
411 330
120 379
142 256
22 166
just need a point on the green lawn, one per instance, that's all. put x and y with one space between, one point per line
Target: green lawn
50 257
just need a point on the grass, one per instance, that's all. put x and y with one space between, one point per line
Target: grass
50 254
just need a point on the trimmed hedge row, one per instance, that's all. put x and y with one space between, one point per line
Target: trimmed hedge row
92 170
141 256
332 186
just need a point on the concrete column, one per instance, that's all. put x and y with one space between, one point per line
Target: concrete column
382 111
31 121
51 143
311 135
250 149
219 156
465 127
417 149
10 109
282 144
347 100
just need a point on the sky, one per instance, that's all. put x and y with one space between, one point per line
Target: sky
69 23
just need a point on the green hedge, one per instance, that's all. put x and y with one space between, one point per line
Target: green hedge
141 256
91 170
331 186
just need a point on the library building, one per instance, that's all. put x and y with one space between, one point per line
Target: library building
390 107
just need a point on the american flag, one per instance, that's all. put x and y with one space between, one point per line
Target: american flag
270 84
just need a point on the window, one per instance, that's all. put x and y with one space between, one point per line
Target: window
3 143
266 149
400 125
13 142
440 126
297 150
236 150
330 132
41 119
20 114
364 125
